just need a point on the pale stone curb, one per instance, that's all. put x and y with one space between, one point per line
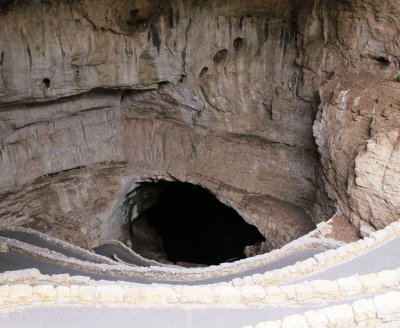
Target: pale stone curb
79 291
380 310
346 287
329 258
89 255
163 272
29 286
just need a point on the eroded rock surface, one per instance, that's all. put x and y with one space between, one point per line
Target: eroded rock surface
97 96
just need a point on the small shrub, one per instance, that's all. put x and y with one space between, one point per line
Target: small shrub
397 78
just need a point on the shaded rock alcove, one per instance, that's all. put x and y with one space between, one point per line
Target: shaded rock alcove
183 222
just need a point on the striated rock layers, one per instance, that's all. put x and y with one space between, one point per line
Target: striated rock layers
286 110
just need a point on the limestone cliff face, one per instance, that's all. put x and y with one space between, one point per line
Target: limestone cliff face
357 126
96 96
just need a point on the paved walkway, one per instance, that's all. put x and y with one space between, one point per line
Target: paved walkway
385 257
10 261
109 250
381 258
38 241
144 317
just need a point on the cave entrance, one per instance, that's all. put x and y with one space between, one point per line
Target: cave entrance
184 223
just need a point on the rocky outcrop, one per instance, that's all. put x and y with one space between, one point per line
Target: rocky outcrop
359 132
96 96
357 126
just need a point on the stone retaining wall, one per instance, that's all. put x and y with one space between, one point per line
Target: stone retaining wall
56 287
381 309
91 256
155 272
300 269
30 287
323 260
254 289
373 312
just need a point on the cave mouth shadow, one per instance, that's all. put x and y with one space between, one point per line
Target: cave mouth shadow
184 223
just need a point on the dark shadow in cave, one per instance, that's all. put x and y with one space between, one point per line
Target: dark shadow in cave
190 224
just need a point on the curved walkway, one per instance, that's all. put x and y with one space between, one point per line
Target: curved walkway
11 262
288 255
143 317
226 304
40 240
123 253
385 257
241 302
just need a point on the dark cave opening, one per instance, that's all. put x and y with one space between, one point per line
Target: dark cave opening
188 224
46 82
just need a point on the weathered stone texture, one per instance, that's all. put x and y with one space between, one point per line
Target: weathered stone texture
96 96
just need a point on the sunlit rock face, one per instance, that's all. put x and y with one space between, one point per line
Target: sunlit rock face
279 108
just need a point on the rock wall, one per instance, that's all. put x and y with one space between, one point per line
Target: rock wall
98 95
357 126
